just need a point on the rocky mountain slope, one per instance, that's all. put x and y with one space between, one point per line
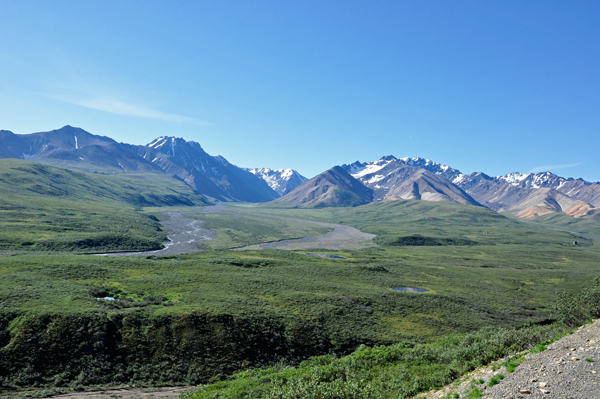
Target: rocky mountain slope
530 195
210 175
391 178
334 187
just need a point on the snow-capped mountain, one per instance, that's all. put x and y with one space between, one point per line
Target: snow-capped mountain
533 180
526 194
280 180
409 178
358 169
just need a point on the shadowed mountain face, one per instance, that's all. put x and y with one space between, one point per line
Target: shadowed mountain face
334 187
28 146
74 148
211 175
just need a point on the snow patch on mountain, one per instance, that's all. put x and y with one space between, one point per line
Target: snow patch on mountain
358 170
281 181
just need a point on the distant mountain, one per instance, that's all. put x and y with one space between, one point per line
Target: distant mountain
211 175
358 169
280 180
334 187
575 188
527 195
531 195
26 146
409 178
74 148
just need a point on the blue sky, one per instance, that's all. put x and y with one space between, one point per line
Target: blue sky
496 87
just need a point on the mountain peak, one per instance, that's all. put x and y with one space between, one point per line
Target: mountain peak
168 144
280 180
334 187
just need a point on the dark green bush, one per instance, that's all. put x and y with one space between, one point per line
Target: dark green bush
574 310
419 240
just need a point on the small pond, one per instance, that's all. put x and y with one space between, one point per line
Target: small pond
411 289
106 298
326 256
179 260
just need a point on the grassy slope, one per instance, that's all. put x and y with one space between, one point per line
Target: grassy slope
470 287
43 207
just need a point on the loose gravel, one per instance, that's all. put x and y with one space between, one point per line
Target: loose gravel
187 234
561 371
341 237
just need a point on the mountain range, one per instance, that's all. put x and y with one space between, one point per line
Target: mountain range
74 148
526 195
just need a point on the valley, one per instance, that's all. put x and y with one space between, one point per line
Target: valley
211 270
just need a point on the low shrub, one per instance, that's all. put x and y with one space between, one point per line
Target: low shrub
575 310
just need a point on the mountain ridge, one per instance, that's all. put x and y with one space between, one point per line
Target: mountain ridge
389 178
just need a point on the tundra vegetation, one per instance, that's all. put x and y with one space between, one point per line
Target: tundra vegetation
273 323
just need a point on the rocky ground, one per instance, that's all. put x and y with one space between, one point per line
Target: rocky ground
568 368
127 393
341 237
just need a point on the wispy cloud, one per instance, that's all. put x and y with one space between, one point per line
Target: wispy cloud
553 167
117 107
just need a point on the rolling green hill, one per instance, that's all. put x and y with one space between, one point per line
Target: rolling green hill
48 208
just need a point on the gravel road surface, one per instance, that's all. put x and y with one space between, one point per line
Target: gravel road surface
561 371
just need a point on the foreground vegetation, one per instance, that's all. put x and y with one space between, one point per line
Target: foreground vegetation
405 369
396 371
203 316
